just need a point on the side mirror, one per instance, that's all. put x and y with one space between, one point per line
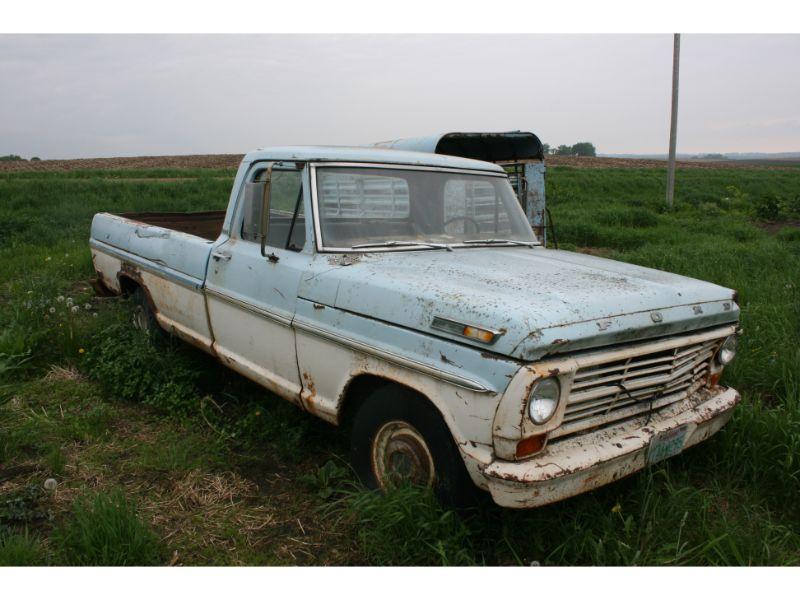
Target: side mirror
255 220
265 208
253 204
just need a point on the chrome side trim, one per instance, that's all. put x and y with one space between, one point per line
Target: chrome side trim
148 265
402 361
283 319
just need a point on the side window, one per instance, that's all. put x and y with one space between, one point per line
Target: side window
474 207
297 229
286 213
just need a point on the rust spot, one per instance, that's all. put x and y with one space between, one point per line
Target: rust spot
318 306
309 400
312 391
345 260
99 286
534 335
446 360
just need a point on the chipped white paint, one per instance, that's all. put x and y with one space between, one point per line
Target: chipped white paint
306 325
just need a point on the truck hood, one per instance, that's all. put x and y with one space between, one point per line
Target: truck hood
545 301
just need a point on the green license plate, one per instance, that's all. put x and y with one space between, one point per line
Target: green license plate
666 444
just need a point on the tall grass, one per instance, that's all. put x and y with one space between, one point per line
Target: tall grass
732 500
106 530
21 550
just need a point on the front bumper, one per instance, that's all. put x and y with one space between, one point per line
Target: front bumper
585 462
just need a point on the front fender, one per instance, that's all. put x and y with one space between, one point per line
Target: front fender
335 346
511 422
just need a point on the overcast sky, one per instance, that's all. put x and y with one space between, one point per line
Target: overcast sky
92 96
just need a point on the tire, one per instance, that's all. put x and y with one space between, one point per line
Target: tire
399 437
143 317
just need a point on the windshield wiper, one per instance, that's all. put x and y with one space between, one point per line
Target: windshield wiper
393 243
500 241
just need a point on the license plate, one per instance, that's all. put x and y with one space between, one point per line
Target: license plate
666 444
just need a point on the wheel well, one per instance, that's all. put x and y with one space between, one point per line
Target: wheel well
359 389
128 285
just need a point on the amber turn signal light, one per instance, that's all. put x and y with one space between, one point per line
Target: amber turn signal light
476 333
482 334
531 445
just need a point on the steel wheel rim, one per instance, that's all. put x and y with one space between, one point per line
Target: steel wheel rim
140 321
400 455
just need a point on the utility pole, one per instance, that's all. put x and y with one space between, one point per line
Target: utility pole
673 127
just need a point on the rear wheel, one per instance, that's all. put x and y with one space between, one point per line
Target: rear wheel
400 438
143 317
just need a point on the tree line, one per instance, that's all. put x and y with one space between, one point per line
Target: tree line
579 149
9 157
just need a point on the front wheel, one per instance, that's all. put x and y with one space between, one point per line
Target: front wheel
400 438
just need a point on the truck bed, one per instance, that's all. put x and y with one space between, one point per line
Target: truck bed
207 224
173 245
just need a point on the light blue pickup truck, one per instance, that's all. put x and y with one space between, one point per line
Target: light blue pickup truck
407 295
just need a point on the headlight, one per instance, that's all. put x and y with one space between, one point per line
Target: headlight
727 352
543 401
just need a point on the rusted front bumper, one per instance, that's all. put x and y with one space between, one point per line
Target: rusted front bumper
585 462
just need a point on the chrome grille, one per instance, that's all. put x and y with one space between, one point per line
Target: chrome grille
610 391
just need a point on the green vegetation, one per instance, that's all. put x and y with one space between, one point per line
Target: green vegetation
105 529
20 550
161 455
123 175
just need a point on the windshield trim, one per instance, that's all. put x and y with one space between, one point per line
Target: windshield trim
321 248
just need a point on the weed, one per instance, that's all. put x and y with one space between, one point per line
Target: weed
176 451
269 422
789 235
134 367
20 550
23 506
327 479
55 461
106 530
405 526
731 500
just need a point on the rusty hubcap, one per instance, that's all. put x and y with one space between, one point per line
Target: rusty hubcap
400 454
140 319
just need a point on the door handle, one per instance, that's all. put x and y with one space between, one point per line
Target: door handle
220 256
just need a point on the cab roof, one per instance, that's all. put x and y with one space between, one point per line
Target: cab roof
367 155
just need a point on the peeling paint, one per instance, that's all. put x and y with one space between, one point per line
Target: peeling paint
306 325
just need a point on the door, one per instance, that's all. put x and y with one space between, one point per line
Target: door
251 296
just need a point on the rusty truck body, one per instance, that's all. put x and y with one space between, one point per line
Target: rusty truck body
407 295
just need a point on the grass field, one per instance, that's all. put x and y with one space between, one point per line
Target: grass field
161 456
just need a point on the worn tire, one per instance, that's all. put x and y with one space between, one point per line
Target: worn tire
411 420
143 317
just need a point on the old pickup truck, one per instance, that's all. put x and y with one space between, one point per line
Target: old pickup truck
405 294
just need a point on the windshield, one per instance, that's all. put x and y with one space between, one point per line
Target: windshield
391 208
